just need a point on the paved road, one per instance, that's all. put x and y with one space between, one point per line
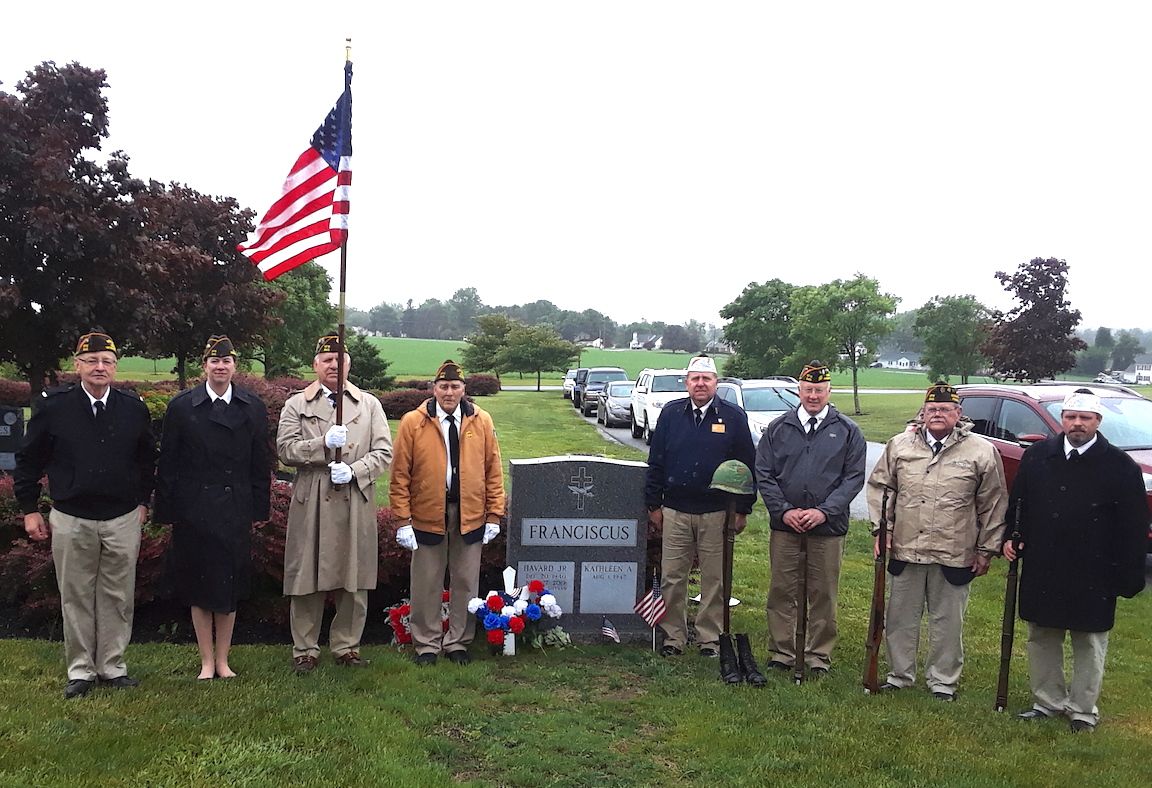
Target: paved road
623 436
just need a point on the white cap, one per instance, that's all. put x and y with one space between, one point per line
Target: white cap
1083 401
702 364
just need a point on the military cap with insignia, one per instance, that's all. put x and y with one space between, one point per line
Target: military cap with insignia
330 343
942 392
96 342
449 370
815 372
219 346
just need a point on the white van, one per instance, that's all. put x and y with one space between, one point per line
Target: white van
654 388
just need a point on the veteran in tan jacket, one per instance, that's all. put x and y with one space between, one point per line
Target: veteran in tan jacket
447 491
331 544
947 513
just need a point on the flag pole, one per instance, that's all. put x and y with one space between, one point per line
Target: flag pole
343 276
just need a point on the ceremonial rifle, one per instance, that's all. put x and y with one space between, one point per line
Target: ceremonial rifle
1008 628
876 618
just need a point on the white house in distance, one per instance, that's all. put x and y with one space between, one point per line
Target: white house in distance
1140 370
900 360
640 340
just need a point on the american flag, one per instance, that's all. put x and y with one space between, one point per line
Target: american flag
651 606
311 217
608 630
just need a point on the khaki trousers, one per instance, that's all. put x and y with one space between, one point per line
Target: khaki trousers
689 536
462 561
824 556
96 572
918 587
1046 672
307 613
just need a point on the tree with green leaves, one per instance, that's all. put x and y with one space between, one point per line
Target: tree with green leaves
465 306
68 224
385 318
953 329
200 284
536 349
368 370
760 329
1127 348
482 352
677 337
1035 339
305 314
843 322
1104 338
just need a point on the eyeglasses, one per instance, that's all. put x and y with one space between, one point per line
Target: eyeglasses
941 411
97 362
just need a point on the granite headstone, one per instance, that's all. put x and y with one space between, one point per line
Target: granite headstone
11 436
579 524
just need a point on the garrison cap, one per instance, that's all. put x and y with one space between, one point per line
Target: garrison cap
219 346
942 392
95 342
449 370
330 343
816 372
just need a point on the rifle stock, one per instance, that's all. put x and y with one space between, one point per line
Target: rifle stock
876 617
801 645
1008 626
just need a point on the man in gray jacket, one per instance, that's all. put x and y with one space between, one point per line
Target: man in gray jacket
809 466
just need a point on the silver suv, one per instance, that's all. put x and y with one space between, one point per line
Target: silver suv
654 388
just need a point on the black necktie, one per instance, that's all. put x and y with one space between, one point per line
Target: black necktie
99 408
332 398
454 459
699 416
219 405
1073 456
812 422
936 447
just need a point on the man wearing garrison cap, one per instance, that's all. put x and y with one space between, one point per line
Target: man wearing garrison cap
692 438
947 514
447 491
1083 525
810 464
212 482
331 545
95 443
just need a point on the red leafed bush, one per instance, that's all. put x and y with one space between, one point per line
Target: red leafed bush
482 385
422 385
15 393
399 401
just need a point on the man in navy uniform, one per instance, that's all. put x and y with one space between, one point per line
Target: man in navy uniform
692 438
95 443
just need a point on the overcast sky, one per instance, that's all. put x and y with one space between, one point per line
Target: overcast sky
650 159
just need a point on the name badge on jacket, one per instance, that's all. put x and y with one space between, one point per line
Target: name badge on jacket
717 427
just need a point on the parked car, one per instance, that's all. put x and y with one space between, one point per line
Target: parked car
569 383
577 382
1015 417
1104 377
654 387
598 378
763 400
614 403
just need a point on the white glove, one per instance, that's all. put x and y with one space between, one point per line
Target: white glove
341 472
406 538
336 436
491 531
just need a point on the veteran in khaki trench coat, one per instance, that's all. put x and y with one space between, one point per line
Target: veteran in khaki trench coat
331 544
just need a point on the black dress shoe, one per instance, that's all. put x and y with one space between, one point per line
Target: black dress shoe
888 686
1032 714
778 665
670 651
425 660
818 673
944 697
710 652
1081 726
78 688
460 657
121 682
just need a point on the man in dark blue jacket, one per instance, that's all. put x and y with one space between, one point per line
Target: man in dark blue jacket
95 443
809 467
692 438
1083 523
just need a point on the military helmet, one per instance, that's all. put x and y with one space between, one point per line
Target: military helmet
733 477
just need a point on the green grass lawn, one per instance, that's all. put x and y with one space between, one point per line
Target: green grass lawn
592 715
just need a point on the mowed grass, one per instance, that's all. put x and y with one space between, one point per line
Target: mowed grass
592 715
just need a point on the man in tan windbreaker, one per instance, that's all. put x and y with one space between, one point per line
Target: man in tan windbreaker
331 545
946 510
447 491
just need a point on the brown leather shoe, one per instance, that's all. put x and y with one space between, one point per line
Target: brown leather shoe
304 664
351 659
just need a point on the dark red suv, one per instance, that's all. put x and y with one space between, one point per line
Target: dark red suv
1015 417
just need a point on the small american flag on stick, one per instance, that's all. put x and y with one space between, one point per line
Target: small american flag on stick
651 606
608 630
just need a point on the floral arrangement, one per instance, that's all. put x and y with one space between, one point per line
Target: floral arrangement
400 619
529 613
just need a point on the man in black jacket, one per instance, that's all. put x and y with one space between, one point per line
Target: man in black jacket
809 467
1084 520
95 443
692 438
